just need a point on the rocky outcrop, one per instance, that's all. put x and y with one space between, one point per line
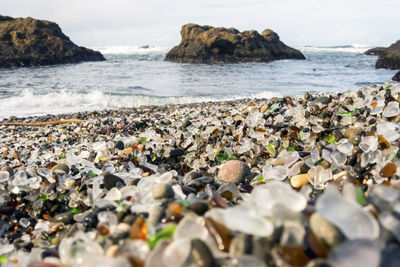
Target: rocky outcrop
396 77
377 51
31 42
390 59
206 44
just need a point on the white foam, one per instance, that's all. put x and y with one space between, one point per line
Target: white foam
131 50
30 104
354 48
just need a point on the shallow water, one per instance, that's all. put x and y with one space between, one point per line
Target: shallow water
133 77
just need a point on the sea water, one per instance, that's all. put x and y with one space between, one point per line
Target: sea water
137 76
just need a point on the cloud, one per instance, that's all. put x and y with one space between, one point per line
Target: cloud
307 22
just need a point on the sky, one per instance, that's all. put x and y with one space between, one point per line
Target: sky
158 23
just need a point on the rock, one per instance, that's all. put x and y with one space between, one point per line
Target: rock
163 191
176 153
299 180
377 51
155 258
8 169
241 245
233 171
349 133
65 217
111 181
198 207
206 44
62 167
396 77
390 255
390 59
264 108
388 170
325 100
326 231
156 214
120 145
32 42
201 255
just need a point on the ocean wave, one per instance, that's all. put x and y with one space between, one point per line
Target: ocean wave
148 50
30 104
131 50
354 48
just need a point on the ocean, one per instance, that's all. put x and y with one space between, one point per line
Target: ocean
135 76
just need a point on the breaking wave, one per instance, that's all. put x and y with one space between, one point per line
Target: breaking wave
131 50
354 48
29 104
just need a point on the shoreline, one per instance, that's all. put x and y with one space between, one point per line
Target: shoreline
195 183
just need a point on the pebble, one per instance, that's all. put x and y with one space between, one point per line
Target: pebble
201 255
120 145
392 109
208 185
163 191
352 132
8 169
199 207
62 167
111 181
156 214
233 171
299 180
326 231
388 170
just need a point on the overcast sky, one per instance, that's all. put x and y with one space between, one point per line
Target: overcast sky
298 22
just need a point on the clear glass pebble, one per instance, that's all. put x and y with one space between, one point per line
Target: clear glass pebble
391 223
319 176
266 196
79 249
277 173
24 222
4 176
345 148
364 253
114 194
392 109
292 158
177 252
243 219
338 158
326 155
352 220
5 249
191 227
20 179
368 143
44 172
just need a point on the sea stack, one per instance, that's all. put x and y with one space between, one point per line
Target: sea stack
389 58
206 44
31 42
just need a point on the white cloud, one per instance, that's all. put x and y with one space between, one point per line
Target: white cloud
307 22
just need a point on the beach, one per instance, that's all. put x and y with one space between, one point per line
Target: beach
306 180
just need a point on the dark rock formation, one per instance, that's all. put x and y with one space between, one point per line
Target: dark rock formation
206 44
396 77
377 51
390 59
31 42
